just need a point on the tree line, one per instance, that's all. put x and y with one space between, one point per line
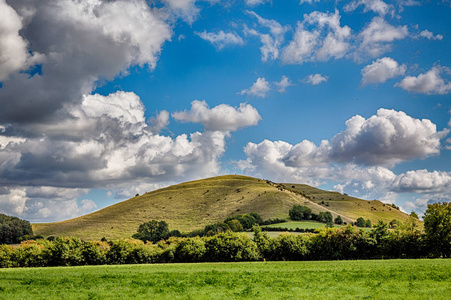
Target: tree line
348 242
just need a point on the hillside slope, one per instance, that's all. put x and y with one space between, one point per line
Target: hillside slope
192 205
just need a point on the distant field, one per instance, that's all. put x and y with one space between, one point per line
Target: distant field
372 279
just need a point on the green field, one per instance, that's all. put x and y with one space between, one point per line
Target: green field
372 279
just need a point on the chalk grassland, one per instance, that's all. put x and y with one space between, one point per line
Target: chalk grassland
192 205
348 206
381 279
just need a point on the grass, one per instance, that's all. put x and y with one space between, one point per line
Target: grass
381 279
192 205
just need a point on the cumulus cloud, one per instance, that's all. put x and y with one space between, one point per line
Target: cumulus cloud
315 79
283 84
82 42
13 48
377 6
319 37
271 41
377 36
159 122
423 181
221 39
428 83
381 70
260 88
430 36
219 118
385 139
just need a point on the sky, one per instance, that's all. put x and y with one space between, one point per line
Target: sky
104 99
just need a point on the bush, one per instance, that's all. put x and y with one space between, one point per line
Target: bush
235 225
360 222
338 220
230 246
190 250
289 247
299 212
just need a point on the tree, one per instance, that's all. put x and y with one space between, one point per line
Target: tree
360 222
299 212
338 220
328 217
368 223
153 231
13 229
437 225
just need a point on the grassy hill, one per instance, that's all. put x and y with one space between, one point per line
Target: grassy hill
192 205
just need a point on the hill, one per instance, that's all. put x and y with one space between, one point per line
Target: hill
192 205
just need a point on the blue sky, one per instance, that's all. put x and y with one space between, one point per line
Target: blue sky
105 99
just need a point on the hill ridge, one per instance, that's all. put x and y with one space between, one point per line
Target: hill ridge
192 205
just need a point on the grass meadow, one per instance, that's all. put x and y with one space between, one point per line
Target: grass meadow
371 279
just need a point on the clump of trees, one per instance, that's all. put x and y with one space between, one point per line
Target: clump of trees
299 213
14 230
361 222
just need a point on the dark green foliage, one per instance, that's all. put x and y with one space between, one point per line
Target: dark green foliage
299 212
338 220
13 229
437 225
246 220
153 231
215 228
368 223
360 222
328 217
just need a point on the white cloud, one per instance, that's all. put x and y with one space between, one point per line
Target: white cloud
388 138
221 39
159 122
185 9
381 70
327 39
260 88
385 139
315 79
83 42
377 6
271 41
422 181
13 48
308 1
430 36
377 36
283 84
428 83
255 2
219 118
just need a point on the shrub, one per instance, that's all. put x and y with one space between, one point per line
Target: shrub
230 246
338 220
299 212
190 250
289 247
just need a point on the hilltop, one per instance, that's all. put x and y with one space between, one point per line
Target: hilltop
192 205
